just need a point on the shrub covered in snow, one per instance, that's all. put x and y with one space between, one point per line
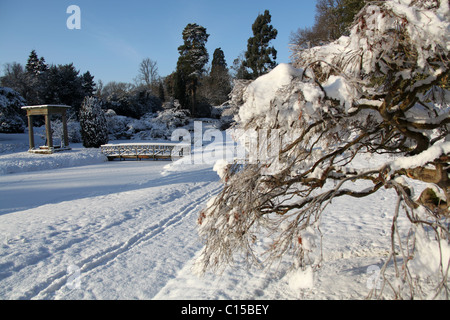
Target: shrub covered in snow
162 124
135 103
117 125
94 130
11 120
158 125
172 118
73 131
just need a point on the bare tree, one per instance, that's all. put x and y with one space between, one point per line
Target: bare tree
16 77
381 90
148 72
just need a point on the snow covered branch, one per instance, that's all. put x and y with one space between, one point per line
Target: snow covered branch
366 94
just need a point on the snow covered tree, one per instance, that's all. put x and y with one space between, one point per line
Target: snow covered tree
381 90
191 63
128 100
259 56
35 65
94 131
32 63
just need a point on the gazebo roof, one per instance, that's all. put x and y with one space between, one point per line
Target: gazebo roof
45 106
45 109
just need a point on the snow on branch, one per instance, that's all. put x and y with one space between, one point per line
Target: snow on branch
422 159
383 90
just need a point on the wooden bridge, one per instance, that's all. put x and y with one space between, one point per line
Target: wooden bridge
151 151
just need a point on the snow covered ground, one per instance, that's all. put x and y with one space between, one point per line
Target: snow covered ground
73 226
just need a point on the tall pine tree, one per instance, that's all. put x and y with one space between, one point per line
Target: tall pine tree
191 65
218 63
35 77
220 79
260 57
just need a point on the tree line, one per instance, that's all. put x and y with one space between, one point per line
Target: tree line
40 83
196 85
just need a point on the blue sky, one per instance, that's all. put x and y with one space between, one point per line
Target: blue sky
116 35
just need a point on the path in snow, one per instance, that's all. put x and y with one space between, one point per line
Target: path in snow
122 227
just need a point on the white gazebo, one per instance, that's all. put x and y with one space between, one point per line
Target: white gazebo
47 110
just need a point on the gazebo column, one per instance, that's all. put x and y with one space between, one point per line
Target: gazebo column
48 129
65 131
30 132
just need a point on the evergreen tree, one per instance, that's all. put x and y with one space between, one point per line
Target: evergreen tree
191 63
88 84
218 63
260 58
179 87
35 65
63 85
219 77
32 63
94 132
34 78
169 86
161 93
42 67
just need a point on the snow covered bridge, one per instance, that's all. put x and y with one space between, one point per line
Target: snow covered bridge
139 151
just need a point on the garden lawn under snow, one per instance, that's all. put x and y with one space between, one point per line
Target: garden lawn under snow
73 226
